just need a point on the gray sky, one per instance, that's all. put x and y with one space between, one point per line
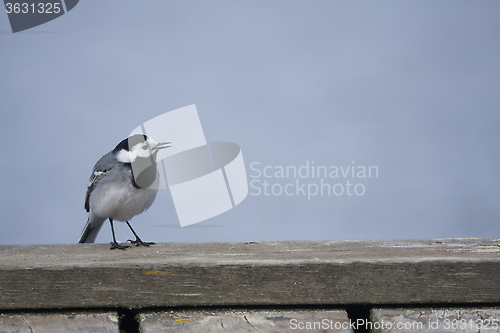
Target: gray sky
410 87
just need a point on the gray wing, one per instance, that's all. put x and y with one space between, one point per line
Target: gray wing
102 167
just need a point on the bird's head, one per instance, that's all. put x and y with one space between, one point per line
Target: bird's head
138 146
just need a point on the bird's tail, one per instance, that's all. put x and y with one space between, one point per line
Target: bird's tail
91 229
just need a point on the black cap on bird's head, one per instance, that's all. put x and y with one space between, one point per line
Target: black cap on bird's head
139 145
130 142
139 153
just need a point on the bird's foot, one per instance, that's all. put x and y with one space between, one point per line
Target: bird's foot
115 245
139 242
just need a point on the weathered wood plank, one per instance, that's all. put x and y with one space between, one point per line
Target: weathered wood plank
239 321
463 320
59 323
248 274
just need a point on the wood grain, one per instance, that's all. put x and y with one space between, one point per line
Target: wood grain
250 274
452 320
59 323
245 320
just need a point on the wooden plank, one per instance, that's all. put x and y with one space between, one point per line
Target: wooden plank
463 320
59 323
248 274
239 321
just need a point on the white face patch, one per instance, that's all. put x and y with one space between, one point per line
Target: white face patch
142 149
125 156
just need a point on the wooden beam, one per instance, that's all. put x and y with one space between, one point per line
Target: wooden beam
244 320
250 274
463 320
59 322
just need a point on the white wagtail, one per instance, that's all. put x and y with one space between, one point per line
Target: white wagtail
121 186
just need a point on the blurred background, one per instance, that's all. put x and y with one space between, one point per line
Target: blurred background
409 87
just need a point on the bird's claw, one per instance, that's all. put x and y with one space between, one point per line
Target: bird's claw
139 242
115 245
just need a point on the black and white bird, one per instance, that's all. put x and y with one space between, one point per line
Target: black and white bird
122 185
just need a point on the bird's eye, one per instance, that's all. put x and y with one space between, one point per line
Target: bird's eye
145 147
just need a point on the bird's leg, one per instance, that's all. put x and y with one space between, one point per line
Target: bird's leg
138 241
114 243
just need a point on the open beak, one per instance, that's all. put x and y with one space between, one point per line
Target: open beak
163 145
